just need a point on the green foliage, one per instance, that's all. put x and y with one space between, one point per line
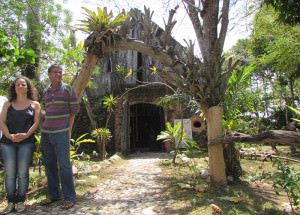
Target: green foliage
284 49
72 56
75 145
39 29
190 105
289 11
102 134
37 155
174 135
271 56
240 100
278 49
192 147
101 20
287 179
122 71
295 111
153 70
109 102
192 151
240 79
12 57
10 53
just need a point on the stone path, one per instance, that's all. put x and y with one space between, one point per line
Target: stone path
135 188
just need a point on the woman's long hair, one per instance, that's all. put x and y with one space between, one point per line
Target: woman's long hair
31 92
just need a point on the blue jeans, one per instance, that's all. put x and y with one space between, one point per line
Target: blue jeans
56 157
17 159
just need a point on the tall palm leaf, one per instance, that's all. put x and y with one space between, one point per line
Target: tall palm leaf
295 111
173 135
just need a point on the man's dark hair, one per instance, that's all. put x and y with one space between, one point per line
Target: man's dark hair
53 66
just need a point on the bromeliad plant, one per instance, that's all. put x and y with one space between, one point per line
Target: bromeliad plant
103 136
109 102
101 20
102 27
174 135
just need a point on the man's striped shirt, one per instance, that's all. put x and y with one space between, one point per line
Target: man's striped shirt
58 107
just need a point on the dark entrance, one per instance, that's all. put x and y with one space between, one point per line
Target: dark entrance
146 122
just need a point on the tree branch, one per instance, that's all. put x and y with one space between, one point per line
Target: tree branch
193 14
269 137
224 24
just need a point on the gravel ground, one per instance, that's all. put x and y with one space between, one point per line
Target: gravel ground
134 188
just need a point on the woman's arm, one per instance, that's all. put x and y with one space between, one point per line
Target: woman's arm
36 121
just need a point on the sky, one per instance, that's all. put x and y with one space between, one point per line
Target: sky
239 26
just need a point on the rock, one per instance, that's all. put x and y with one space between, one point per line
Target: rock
75 170
216 209
204 174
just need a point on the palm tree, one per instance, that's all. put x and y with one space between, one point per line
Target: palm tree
174 135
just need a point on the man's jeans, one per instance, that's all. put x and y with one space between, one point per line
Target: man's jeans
17 159
56 157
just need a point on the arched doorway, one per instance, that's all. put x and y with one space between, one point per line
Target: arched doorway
146 122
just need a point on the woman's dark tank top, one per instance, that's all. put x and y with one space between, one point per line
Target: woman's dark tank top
19 121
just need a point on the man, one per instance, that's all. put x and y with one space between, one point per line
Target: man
61 105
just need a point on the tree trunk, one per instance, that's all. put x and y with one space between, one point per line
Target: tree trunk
232 162
84 75
291 86
90 114
102 151
216 156
33 41
81 80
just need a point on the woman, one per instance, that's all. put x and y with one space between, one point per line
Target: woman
18 121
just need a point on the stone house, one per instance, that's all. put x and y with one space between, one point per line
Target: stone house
137 120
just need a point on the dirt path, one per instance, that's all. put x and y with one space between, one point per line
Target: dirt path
134 187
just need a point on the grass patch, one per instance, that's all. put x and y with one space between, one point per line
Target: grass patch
246 198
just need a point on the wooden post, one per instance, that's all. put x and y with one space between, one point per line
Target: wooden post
215 152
